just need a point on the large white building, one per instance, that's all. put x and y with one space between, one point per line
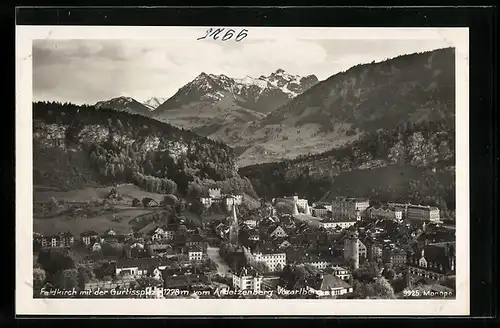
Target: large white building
422 213
333 223
350 207
386 213
418 212
275 261
247 279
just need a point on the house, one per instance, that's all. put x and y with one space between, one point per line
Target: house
327 285
277 232
253 235
301 203
394 255
418 212
385 212
320 211
285 244
206 201
252 223
350 207
275 260
339 222
319 264
96 247
214 193
161 249
89 237
422 213
149 202
374 249
338 271
66 239
247 279
432 262
138 267
230 201
161 233
195 253
110 232
196 240
136 244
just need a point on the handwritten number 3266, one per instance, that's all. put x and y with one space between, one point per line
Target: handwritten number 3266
217 33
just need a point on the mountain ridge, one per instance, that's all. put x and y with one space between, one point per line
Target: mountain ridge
124 104
342 108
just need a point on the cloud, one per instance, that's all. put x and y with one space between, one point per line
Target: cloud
87 71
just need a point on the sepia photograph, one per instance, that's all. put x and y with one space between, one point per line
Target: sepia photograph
307 168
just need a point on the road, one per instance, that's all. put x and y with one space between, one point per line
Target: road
222 267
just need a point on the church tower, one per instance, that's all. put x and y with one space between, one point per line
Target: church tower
233 230
351 248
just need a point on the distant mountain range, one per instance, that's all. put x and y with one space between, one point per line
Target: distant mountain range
347 105
282 115
211 102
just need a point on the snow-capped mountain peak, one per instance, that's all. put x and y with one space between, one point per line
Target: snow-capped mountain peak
262 94
153 102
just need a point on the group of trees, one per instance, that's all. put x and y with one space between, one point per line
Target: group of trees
260 266
124 145
56 268
368 282
154 184
292 274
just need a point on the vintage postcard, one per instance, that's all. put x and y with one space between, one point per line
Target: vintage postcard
242 171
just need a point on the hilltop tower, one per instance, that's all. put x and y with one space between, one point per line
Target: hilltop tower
351 248
233 230
295 209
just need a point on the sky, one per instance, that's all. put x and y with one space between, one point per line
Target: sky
87 71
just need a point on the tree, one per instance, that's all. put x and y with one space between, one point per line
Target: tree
367 272
112 249
194 190
85 275
388 272
170 199
284 208
380 288
55 260
261 267
136 202
38 281
181 207
197 207
67 279
144 282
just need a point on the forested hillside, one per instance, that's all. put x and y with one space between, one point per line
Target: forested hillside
76 146
412 162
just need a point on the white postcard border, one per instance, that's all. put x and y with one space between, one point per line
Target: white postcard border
26 305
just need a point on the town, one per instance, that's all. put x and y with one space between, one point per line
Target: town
283 248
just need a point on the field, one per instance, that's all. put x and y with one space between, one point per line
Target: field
55 225
43 194
118 218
